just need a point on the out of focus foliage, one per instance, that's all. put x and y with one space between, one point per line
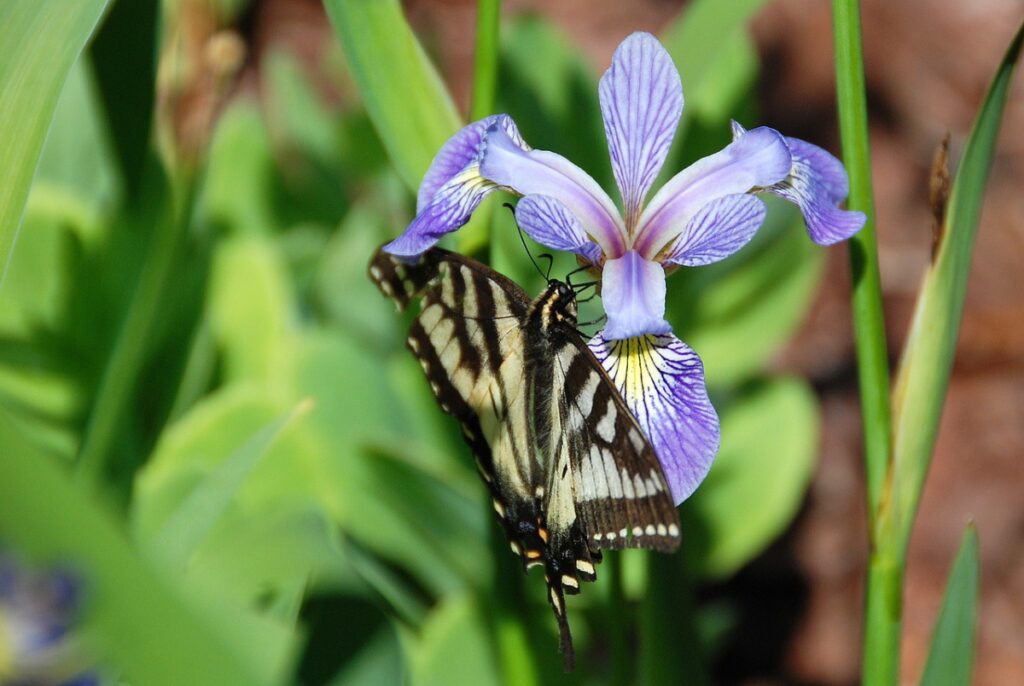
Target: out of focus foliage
198 381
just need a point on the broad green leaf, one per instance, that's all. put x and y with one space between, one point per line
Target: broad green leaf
140 624
186 528
453 647
250 310
758 479
42 39
402 91
239 178
951 656
931 343
727 81
737 313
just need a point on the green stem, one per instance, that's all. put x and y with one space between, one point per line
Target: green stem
485 59
121 375
619 624
670 646
882 602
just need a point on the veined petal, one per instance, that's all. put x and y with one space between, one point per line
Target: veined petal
550 223
817 183
757 159
461 150
453 187
449 209
641 102
539 172
633 293
662 381
719 229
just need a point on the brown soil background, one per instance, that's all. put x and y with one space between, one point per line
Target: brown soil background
928 64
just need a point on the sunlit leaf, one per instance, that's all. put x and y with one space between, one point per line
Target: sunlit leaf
42 39
453 648
758 479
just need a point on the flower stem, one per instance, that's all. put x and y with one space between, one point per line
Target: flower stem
485 60
618 625
885 574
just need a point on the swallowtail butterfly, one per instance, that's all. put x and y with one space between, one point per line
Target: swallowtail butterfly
568 467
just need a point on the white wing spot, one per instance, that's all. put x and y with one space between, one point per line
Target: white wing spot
570 581
627 485
649 530
638 531
610 535
673 530
515 547
639 487
606 427
376 273
662 531
414 344
598 537
556 602
585 400
637 440
499 508
386 287
585 566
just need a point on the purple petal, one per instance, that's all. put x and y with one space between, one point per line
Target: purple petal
538 172
449 209
817 183
641 101
551 224
462 149
757 159
633 293
662 381
719 229
452 188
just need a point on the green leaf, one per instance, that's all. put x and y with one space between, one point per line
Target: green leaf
139 622
931 344
453 648
769 445
42 39
186 528
737 313
951 656
401 89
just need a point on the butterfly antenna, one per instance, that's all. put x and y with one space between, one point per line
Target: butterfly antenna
522 239
551 262
568 277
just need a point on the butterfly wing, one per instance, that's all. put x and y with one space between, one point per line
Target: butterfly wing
468 338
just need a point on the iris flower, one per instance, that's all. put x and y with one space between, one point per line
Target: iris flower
703 214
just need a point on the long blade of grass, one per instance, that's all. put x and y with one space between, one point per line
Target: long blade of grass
139 622
41 40
402 91
187 527
951 656
931 344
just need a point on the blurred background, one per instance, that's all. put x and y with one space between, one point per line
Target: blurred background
357 547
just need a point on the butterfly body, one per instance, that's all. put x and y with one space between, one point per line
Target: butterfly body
568 467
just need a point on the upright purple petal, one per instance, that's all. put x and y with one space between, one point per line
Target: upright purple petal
452 188
817 183
538 172
461 150
662 381
719 229
551 224
641 102
633 294
756 160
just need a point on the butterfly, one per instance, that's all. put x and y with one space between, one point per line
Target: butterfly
569 470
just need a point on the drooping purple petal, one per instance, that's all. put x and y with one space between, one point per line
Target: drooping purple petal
662 381
633 294
550 223
461 150
539 172
717 230
757 159
449 209
452 188
817 183
641 102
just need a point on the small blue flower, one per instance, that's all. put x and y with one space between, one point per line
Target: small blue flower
37 609
703 214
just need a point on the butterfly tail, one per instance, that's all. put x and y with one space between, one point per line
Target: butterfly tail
556 598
